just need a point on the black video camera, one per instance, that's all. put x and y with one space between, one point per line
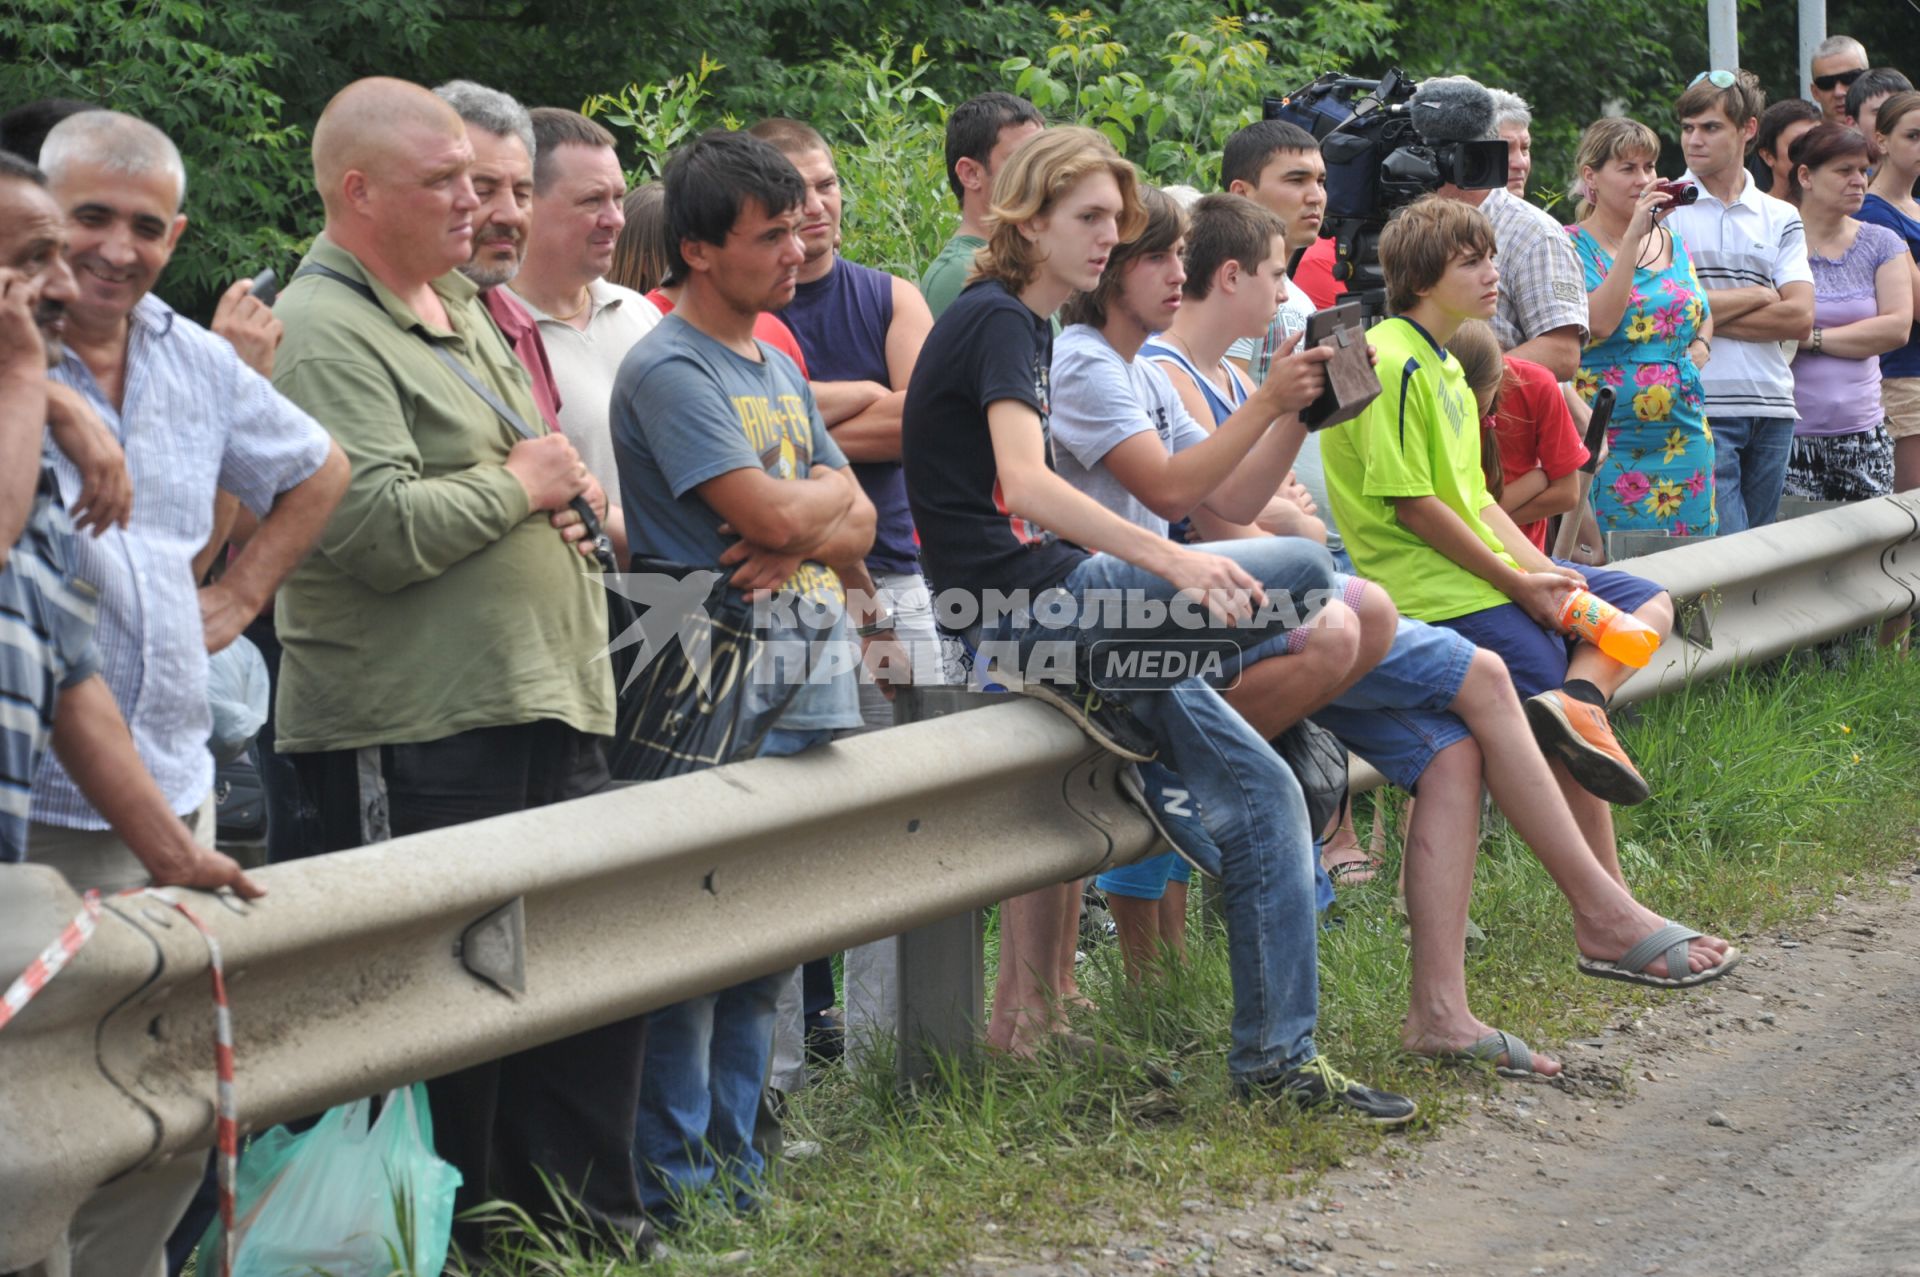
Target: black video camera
1379 159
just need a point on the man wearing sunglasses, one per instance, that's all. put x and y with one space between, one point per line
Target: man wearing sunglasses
1838 61
1750 253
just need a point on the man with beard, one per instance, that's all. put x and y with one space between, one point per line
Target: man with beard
587 322
502 140
50 680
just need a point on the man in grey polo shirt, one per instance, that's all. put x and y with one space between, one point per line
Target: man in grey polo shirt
587 323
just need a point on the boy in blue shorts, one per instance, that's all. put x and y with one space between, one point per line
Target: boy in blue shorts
1435 715
1412 503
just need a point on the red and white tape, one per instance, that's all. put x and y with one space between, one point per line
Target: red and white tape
226 1125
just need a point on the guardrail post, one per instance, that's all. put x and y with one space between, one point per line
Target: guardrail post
942 966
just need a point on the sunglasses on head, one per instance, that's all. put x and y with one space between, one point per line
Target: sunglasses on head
1827 83
1718 79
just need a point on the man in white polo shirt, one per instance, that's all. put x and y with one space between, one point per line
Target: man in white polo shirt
587 323
1750 253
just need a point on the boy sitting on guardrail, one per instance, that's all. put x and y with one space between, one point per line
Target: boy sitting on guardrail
1412 502
999 527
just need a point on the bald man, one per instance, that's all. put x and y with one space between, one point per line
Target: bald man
439 650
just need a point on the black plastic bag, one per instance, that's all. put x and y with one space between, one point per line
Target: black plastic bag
1319 763
694 667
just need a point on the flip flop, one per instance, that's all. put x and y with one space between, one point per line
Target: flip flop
1670 940
1490 1048
1352 873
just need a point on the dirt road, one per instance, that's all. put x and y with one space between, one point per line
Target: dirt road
1771 1126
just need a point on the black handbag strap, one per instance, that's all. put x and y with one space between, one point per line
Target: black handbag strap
603 546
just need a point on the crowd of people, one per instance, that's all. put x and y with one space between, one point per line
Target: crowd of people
395 479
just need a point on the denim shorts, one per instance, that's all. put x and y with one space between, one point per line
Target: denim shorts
1396 717
1537 658
1146 879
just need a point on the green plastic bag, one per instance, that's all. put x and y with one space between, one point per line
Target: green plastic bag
344 1199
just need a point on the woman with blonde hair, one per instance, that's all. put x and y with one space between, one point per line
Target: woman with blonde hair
1650 335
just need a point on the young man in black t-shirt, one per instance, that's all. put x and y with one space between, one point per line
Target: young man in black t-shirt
1057 578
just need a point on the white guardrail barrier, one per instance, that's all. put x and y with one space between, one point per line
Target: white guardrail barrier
371 968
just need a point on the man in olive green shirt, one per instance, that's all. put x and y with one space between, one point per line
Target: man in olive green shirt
440 645
981 133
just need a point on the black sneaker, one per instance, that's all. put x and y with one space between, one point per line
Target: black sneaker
1107 721
1317 1084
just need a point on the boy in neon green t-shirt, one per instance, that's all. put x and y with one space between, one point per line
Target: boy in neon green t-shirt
1411 500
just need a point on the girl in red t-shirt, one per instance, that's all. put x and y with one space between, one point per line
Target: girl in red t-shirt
1530 448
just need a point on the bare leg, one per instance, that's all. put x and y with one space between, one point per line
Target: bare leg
1025 997
1072 896
1442 842
1138 923
1594 815
1607 920
1906 463
1274 695
1173 921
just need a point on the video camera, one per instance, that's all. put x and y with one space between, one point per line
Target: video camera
1386 143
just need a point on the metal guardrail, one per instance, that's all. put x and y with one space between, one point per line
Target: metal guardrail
370 968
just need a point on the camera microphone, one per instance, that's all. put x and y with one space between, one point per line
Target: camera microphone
1452 108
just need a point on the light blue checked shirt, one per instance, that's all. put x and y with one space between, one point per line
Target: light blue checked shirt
194 419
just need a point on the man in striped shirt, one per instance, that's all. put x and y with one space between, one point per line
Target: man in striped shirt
193 419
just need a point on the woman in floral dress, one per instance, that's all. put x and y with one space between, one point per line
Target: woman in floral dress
1649 334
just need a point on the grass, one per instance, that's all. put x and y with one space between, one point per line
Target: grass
1774 790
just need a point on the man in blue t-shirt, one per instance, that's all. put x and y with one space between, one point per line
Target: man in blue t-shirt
725 463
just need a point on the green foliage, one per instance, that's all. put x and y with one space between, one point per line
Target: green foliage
1172 112
199 75
886 124
660 116
239 84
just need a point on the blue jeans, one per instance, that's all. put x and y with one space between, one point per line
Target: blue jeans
1249 802
706 1063
1749 469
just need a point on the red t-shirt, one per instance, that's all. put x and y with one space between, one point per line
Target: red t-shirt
517 326
767 328
1315 276
1535 432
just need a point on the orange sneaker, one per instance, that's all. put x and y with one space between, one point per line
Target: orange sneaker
1579 735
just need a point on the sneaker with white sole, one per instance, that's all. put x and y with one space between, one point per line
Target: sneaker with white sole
1106 720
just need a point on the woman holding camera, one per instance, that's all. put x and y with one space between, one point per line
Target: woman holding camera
1649 334
1862 308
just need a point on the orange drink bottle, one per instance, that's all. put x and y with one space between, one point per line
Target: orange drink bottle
1624 637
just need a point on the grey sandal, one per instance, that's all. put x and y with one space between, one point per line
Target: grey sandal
1490 1048
1670 941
